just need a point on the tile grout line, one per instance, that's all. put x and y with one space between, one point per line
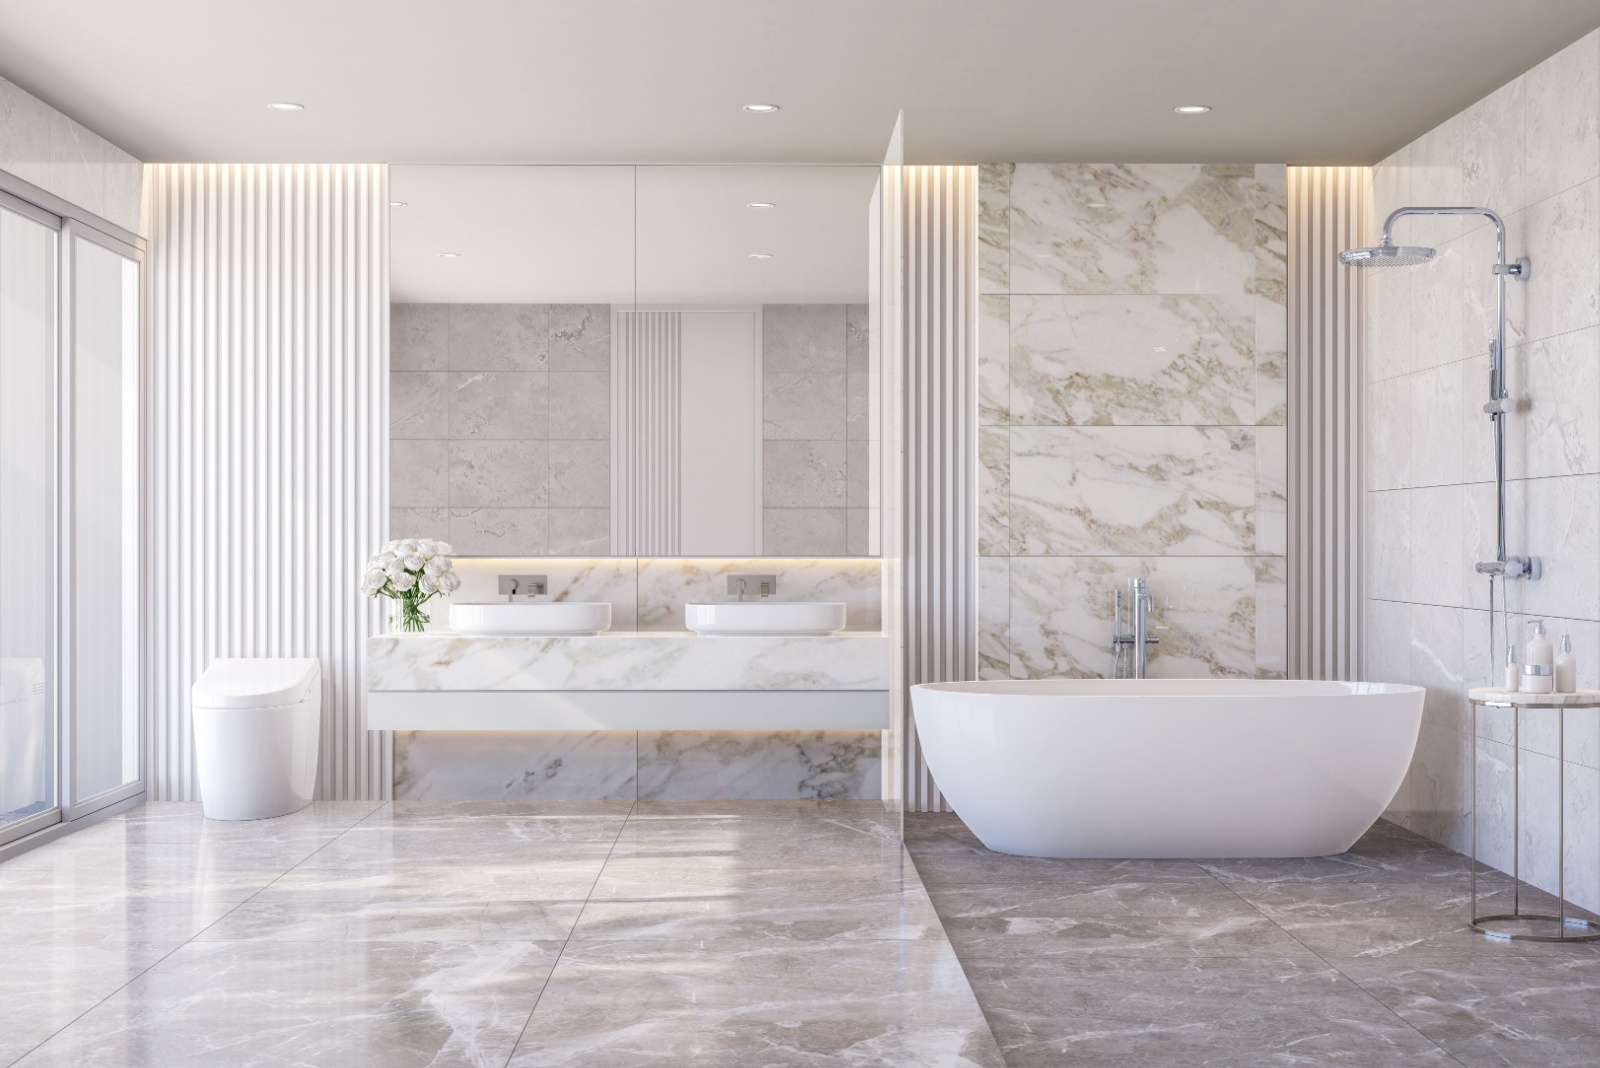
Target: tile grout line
511 1055
1328 963
169 954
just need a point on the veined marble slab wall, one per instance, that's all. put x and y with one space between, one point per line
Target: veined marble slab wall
1131 375
649 594
1531 152
41 145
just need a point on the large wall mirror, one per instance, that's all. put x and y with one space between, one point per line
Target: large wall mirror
635 361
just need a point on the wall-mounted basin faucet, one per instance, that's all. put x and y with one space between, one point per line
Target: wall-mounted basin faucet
756 585
523 587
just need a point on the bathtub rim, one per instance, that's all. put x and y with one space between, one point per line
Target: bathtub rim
1100 689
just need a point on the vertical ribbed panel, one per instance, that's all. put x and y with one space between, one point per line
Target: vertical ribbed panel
1327 212
267 443
646 381
938 391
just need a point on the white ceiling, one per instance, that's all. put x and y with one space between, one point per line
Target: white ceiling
1300 81
618 234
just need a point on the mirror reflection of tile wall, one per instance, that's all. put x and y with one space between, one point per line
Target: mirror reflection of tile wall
501 438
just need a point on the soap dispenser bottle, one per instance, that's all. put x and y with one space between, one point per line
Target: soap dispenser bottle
1513 670
1566 667
1538 661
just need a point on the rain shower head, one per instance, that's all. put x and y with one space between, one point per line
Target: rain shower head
1387 255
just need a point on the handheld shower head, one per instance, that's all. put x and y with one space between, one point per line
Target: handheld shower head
1387 255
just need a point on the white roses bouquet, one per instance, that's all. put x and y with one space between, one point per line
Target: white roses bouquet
412 571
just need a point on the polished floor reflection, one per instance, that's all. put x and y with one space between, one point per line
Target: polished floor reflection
1360 959
483 933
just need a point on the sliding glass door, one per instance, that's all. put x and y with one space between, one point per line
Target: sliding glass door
29 250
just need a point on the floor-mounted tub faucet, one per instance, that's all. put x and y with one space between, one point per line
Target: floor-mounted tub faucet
1139 640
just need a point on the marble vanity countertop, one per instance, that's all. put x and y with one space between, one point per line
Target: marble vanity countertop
627 660
1493 695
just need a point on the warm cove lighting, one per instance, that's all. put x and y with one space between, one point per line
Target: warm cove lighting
284 105
761 255
760 204
761 109
449 255
1192 109
397 203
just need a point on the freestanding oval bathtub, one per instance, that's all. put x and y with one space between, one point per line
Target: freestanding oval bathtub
1168 767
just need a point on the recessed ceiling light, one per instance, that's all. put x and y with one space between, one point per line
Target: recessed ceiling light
1192 109
761 109
1096 204
397 203
760 204
1161 348
449 255
761 255
284 105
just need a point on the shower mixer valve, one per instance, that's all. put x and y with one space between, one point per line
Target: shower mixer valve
1528 567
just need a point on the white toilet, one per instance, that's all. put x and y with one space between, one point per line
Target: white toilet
256 726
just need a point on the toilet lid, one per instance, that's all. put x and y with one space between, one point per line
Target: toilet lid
257 682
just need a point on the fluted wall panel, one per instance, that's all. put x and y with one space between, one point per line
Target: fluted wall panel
937 390
267 442
646 443
1327 213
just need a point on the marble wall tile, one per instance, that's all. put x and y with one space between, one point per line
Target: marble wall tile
1133 360
858 531
1563 293
1388 641
1441 787
1388 535
1557 519
1435 161
1436 319
503 474
419 474
124 190
804 531
1583 837
580 474
1388 325
756 765
994 227
804 406
1437 662
1272 491
1159 228
994 360
580 337
24 135
1272 363
994 618
1271 233
1172 491
1389 434
1272 610
857 485
499 404
1062 615
419 404
499 531
803 474
858 407
1437 519
1391 185
420 523
858 338
580 531
77 164
1492 152
803 337
580 404
1435 431
495 765
499 337
665 586
994 491
419 337
1562 136
1494 796
1556 429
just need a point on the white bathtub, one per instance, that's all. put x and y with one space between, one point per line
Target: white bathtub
1168 767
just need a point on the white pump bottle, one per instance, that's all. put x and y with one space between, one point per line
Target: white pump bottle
1538 661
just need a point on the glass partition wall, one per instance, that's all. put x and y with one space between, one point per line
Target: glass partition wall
69 520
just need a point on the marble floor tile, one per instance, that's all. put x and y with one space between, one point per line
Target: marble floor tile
1112 1012
513 809
346 1004
546 841
43 988
734 1003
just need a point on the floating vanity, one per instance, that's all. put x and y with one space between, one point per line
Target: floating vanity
642 680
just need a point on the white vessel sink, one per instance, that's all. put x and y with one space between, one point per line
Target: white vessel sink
533 617
765 617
